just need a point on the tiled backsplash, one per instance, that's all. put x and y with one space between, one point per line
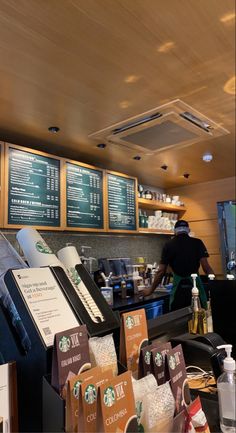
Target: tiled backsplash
103 245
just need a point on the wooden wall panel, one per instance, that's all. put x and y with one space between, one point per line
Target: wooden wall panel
201 204
1 182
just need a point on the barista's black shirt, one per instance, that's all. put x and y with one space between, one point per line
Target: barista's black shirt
183 254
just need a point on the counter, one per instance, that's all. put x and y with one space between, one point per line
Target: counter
137 301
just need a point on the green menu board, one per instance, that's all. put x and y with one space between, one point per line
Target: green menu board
33 189
84 197
121 202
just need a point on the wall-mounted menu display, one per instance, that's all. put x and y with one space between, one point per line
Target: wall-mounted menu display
84 197
122 202
33 189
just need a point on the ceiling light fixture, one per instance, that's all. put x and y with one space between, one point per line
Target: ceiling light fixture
207 157
228 17
164 167
101 145
186 175
130 79
230 86
137 157
54 129
124 104
167 46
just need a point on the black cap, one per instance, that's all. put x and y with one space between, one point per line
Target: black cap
181 223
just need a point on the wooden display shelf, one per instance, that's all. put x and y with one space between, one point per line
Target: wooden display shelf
159 205
155 231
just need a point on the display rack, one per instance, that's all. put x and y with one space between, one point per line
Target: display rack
160 205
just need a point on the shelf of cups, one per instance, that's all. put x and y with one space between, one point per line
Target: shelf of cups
159 205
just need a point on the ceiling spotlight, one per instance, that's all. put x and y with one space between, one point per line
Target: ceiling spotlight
54 129
207 157
186 175
101 145
137 157
164 167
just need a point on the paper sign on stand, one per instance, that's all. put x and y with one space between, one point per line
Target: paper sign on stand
178 378
8 398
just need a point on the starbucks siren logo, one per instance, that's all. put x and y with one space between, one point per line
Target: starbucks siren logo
64 344
74 276
76 388
147 357
172 362
90 395
109 396
158 359
41 247
129 322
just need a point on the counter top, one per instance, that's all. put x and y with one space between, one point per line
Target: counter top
138 301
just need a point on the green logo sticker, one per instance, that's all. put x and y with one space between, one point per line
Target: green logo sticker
74 276
76 388
158 359
147 357
172 362
109 396
64 344
90 394
129 321
41 247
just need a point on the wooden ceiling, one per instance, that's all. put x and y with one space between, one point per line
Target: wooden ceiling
83 65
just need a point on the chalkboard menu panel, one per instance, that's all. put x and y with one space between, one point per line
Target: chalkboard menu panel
122 205
33 189
84 197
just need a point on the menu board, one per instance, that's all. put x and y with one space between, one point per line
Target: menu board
122 215
84 197
33 188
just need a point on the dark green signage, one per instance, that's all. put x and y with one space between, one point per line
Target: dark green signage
121 202
84 197
34 189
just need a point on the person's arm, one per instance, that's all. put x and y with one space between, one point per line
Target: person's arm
206 266
158 277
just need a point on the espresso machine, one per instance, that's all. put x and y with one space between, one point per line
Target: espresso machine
120 270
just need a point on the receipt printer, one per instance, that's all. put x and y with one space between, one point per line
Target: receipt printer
201 351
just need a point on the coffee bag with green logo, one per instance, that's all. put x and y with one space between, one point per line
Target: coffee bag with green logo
116 402
88 401
70 355
158 362
178 378
133 336
73 393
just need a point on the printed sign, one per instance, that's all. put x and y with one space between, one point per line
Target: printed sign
45 301
84 196
121 202
70 355
133 336
33 189
8 398
117 405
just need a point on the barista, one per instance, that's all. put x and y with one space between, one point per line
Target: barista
184 255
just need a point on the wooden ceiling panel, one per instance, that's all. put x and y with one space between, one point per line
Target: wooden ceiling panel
67 63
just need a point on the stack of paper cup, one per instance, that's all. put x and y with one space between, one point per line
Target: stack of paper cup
69 256
36 251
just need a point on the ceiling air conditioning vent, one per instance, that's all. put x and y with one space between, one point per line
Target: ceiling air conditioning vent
175 124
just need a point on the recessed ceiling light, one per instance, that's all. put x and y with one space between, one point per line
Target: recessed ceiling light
54 129
167 46
137 157
130 79
124 104
230 86
207 157
186 175
101 145
227 18
164 167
